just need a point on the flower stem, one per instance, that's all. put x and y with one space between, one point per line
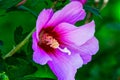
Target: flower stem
15 49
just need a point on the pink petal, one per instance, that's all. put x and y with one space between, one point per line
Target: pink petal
88 49
35 41
76 35
65 66
42 19
86 58
39 56
91 46
71 13
82 1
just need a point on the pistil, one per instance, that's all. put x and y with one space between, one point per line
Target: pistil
49 40
53 43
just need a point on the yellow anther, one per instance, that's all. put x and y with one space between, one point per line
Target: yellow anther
49 40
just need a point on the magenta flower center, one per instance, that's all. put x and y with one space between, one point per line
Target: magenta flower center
49 40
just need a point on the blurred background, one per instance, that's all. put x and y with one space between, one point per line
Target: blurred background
18 19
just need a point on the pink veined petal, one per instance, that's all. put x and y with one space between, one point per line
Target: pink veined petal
86 58
39 56
82 1
88 49
71 13
91 46
65 66
42 19
76 35
34 41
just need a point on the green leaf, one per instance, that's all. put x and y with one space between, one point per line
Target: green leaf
93 10
34 78
18 67
18 35
8 24
42 72
5 4
1 44
3 65
3 76
27 9
2 12
38 5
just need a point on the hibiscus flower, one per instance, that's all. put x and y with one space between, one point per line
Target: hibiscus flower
60 44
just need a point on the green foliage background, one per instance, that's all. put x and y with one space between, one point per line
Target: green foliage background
17 22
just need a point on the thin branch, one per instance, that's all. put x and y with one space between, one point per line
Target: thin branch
88 17
21 3
15 49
